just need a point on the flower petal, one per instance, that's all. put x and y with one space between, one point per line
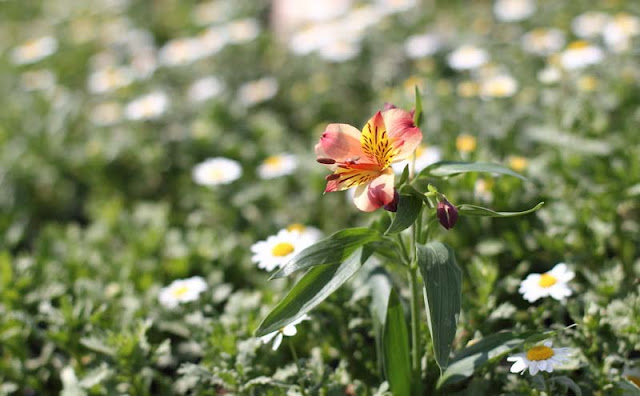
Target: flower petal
289 330
340 142
403 133
278 341
369 197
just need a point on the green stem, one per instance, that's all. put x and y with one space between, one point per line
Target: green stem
547 384
416 348
300 379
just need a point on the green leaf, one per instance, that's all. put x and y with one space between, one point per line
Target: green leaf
442 295
405 175
567 383
452 168
481 353
313 288
417 115
409 207
380 284
333 249
473 210
397 365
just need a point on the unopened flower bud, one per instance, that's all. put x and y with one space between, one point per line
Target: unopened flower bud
393 205
388 106
447 214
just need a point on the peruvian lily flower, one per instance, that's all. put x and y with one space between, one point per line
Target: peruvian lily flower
363 160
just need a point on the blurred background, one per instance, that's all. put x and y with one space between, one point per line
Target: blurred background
145 141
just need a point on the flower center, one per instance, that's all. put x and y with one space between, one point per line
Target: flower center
282 249
539 353
180 291
578 45
547 280
466 143
273 161
216 174
296 227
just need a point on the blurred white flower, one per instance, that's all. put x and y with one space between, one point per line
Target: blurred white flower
340 50
513 10
425 156
498 86
539 358
181 51
543 41
210 12
310 38
549 75
34 50
482 190
589 24
147 107
422 45
254 92
218 170
38 80
144 62
552 283
288 330
109 79
279 249
357 21
312 234
394 6
619 31
243 30
107 113
580 54
213 39
204 88
181 291
277 165
467 57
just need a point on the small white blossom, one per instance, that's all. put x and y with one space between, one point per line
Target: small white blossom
543 41
279 249
580 54
589 24
109 79
254 92
204 89
499 86
539 358
513 10
181 291
552 283
216 171
288 330
467 57
277 165
147 107
181 51
422 45
34 50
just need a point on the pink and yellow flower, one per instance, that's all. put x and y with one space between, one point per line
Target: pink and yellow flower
363 160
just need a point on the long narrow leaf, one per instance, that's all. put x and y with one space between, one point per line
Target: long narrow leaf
313 288
473 210
451 168
397 364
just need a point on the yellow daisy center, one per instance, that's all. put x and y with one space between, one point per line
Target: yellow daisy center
580 44
540 353
296 227
180 291
466 143
282 249
273 161
547 280
216 174
518 164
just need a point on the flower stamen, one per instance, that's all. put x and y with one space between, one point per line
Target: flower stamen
282 249
547 280
540 352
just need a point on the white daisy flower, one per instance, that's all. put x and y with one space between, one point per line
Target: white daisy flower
288 330
311 38
549 75
147 107
619 31
109 79
34 50
107 113
216 171
204 88
420 46
552 283
254 92
279 249
543 41
513 10
499 86
589 24
467 57
213 39
243 30
580 54
277 165
340 50
144 62
425 156
181 291
482 190
539 358
38 80
312 234
181 51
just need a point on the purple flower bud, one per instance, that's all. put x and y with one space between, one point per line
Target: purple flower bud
447 214
388 106
393 205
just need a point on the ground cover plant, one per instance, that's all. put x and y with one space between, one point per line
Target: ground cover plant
394 197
